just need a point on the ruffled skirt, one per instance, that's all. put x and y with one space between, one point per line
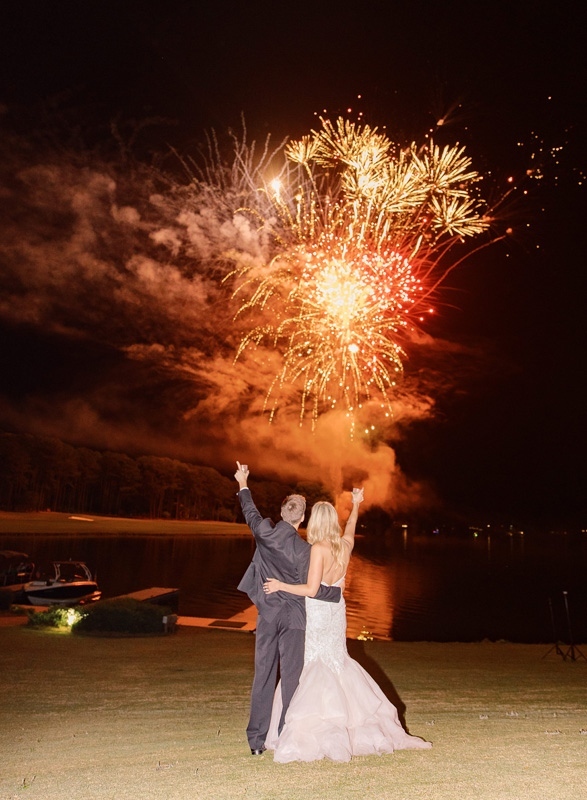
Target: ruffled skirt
338 711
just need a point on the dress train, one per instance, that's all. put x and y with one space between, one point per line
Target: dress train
338 710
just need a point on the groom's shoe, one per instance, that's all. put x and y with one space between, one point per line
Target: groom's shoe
258 751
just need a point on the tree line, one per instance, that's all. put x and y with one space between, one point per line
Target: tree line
40 474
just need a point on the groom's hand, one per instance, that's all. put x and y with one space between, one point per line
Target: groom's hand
241 475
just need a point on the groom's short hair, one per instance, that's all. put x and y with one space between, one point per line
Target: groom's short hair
293 508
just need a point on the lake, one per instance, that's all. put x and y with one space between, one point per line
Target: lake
401 586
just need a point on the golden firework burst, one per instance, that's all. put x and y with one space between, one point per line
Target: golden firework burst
362 229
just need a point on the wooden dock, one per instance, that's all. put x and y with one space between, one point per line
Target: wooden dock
245 621
154 594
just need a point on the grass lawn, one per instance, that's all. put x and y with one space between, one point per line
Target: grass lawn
164 717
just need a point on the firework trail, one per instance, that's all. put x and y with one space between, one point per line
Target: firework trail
361 232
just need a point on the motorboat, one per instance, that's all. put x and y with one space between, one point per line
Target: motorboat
62 583
16 568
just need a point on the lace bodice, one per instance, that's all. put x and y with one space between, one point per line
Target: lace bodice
326 632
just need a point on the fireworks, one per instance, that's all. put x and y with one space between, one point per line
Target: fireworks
361 233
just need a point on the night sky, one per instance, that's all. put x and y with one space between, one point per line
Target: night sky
504 434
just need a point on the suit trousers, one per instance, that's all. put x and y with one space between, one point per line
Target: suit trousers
277 646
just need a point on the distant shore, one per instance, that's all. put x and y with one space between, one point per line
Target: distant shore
53 523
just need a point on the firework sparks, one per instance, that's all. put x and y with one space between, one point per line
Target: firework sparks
361 231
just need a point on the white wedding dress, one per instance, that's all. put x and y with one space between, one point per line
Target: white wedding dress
338 710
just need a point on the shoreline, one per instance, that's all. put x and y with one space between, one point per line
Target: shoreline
56 523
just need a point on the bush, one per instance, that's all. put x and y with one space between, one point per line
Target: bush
5 599
51 618
124 615
18 609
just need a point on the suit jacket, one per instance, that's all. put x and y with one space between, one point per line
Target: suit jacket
280 553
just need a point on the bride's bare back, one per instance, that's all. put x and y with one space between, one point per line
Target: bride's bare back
333 571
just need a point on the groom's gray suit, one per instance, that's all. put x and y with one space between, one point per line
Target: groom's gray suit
280 553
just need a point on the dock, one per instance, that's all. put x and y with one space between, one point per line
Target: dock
154 594
245 621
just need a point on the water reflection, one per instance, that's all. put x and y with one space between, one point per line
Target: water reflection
370 599
401 586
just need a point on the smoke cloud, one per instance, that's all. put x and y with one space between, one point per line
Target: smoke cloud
121 331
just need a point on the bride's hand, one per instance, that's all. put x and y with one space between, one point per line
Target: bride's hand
271 585
358 495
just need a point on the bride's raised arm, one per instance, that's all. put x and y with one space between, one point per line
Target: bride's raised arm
349 531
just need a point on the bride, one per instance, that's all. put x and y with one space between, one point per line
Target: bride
338 710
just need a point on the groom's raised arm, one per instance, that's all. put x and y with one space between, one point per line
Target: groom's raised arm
250 511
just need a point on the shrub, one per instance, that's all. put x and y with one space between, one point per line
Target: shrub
5 599
18 609
51 618
124 615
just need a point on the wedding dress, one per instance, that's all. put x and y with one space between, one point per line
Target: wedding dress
338 710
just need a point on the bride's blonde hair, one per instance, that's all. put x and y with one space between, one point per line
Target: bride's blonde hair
323 526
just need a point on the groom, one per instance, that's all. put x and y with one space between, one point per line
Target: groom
281 623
